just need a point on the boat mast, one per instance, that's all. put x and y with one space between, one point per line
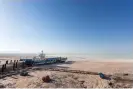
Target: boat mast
42 55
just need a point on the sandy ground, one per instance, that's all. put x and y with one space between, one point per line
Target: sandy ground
72 80
62 80
105 67
59 80
96 66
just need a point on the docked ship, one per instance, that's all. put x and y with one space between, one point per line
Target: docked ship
41 59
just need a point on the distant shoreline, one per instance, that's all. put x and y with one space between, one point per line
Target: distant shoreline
72 58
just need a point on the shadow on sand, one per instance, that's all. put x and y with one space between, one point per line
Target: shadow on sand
69 62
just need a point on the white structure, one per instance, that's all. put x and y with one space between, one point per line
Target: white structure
41 56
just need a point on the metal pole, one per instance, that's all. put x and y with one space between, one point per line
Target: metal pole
7 62
5 66
16 64
13 66
2 69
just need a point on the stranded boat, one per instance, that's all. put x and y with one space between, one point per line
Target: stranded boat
41 60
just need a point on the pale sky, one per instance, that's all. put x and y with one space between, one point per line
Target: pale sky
86 27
